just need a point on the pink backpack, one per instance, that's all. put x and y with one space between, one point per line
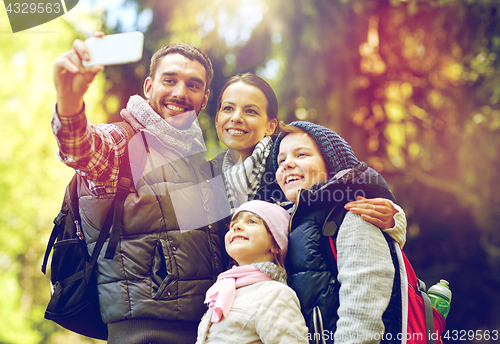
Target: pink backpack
424 324
420 322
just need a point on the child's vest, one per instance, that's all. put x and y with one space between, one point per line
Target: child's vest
417 322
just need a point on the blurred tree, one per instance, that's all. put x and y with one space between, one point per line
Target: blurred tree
413 85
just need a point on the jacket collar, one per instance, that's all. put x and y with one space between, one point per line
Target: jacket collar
345 186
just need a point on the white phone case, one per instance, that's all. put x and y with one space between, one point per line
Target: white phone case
115 49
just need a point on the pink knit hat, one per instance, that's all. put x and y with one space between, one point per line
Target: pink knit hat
274 216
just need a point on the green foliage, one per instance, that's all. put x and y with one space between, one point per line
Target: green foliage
33 179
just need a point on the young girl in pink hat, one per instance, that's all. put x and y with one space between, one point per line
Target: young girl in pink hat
251 303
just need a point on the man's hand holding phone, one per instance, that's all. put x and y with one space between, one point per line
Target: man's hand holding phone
75 70
72 79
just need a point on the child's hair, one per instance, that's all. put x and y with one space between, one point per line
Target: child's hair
286 129
276 220
336 152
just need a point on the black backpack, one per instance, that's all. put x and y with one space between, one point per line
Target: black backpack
74 303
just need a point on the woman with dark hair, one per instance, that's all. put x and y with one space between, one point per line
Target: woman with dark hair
246 123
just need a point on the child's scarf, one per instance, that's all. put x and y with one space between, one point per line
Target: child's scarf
220 296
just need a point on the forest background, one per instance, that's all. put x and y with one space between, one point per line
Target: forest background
413 86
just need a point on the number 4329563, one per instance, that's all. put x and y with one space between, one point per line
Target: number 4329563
471 335
33 8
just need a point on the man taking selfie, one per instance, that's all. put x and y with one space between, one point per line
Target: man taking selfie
169 252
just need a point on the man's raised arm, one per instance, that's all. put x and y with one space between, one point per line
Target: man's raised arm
72 79
93 151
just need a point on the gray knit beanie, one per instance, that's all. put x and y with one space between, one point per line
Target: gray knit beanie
336 153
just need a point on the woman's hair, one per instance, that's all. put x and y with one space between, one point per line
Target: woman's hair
261 84
278 258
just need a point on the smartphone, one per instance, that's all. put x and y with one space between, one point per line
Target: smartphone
115 49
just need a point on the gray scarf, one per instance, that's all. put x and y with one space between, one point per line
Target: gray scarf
242 181
274 271
181 140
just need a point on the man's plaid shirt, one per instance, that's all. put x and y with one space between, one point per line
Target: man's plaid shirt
93 151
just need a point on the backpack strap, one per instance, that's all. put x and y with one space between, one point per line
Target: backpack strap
429 318
119 201
68 206
330 230
334 220
123 186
